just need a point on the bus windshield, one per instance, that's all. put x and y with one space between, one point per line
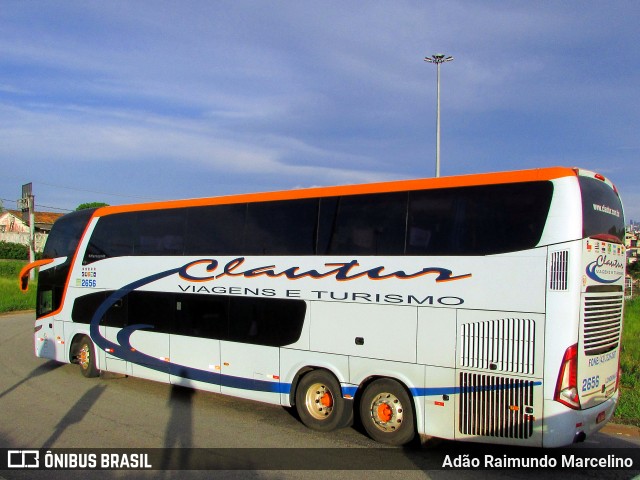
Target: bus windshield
601 210
62 242
66 233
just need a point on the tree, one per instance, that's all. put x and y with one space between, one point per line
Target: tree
633 269
84 206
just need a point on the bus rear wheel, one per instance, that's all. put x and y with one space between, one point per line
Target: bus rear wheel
319 401
85 356
386 412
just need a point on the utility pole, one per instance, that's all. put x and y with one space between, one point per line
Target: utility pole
438 59
27 203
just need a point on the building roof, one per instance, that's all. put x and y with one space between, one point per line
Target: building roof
42 218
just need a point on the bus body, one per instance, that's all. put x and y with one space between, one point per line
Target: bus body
481 308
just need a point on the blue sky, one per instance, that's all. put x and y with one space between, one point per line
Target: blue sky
123 101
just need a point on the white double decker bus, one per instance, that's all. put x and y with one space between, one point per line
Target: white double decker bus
481 308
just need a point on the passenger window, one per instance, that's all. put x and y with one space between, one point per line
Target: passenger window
215 230
266 321
160 232
364 224
201 316
281 228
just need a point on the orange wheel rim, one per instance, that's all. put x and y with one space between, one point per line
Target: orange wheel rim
84 354
384 412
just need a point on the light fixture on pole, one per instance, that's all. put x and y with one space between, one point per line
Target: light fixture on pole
438 59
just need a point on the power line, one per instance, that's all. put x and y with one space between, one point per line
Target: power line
54 208
37 205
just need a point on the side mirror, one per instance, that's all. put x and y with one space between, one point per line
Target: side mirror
23 278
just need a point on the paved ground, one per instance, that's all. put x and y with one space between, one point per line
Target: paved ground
44 404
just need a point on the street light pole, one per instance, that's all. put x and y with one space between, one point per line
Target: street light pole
438 59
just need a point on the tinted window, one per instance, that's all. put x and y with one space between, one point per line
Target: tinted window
66 233
479 220
84 308
261 321
160 232
281 228
154 309
215 230
601 209
62 242
112 237
432 223
202 316
265 321
364 224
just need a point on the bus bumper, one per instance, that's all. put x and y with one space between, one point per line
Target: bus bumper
564 426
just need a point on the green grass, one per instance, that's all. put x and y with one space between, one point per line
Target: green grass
11 298
628 410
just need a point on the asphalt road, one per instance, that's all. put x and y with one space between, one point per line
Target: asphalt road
44 404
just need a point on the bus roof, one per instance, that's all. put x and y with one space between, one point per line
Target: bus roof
517 176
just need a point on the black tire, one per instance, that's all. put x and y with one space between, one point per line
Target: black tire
386 412
85 355
319 402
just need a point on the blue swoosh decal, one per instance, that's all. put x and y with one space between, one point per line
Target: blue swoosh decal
125 351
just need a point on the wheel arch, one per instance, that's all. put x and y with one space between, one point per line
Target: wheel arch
302 371
75 345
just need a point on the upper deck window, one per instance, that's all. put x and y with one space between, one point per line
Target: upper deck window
475 220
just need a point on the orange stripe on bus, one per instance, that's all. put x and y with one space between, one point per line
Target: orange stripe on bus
382 187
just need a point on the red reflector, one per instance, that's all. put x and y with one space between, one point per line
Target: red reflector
601 416
439 404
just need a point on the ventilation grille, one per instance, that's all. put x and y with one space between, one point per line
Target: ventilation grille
559 270
602 323
507 345
495 406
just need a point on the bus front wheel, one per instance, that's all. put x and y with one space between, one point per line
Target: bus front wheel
86 358
386 412
319 401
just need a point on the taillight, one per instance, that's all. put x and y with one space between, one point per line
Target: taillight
567 385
